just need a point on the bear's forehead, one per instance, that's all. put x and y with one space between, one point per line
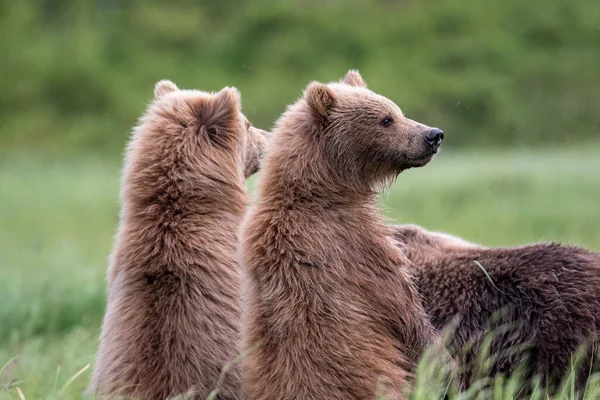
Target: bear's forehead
343 89
363 97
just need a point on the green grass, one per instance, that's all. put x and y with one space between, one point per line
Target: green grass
501 199
58 218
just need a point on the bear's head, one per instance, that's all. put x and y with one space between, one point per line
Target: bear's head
213 123
364 134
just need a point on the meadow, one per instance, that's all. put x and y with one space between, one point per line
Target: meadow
58 217
514 85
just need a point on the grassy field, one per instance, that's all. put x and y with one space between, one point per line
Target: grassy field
57 220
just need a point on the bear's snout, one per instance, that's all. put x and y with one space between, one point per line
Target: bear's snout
434 138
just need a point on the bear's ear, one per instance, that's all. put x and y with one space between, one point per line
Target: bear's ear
320 99
353 78
163 87
229 98
222 118
228 104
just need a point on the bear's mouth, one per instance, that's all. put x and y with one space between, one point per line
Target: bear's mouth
399 161
422 159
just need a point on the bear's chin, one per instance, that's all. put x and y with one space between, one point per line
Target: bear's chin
394 162
420 161
409 161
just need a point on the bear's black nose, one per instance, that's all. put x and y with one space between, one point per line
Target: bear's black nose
434 137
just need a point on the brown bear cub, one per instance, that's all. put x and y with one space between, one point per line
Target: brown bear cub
172 318
540 302
332 312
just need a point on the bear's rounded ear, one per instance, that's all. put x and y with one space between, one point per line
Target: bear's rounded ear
320 99
222 116
353 78
227 105
228 100
163 87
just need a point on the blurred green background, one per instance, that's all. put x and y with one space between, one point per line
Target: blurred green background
514 84
76 75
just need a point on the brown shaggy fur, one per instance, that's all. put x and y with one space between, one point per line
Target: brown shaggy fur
330 315
172 319
548 294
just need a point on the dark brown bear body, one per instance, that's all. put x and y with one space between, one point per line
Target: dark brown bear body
330 314
172 318
548 296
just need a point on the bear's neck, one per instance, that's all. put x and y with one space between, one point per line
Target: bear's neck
314 190
296 172
175 192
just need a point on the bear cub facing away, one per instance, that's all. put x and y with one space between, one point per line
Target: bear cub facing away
547 296
172 318
331 309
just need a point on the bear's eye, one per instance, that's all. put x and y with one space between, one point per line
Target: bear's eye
387 121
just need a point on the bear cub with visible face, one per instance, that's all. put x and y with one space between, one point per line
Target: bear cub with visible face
332 312
546 295
172 318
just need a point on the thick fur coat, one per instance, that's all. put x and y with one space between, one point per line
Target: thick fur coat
332 309
173 313
540 302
